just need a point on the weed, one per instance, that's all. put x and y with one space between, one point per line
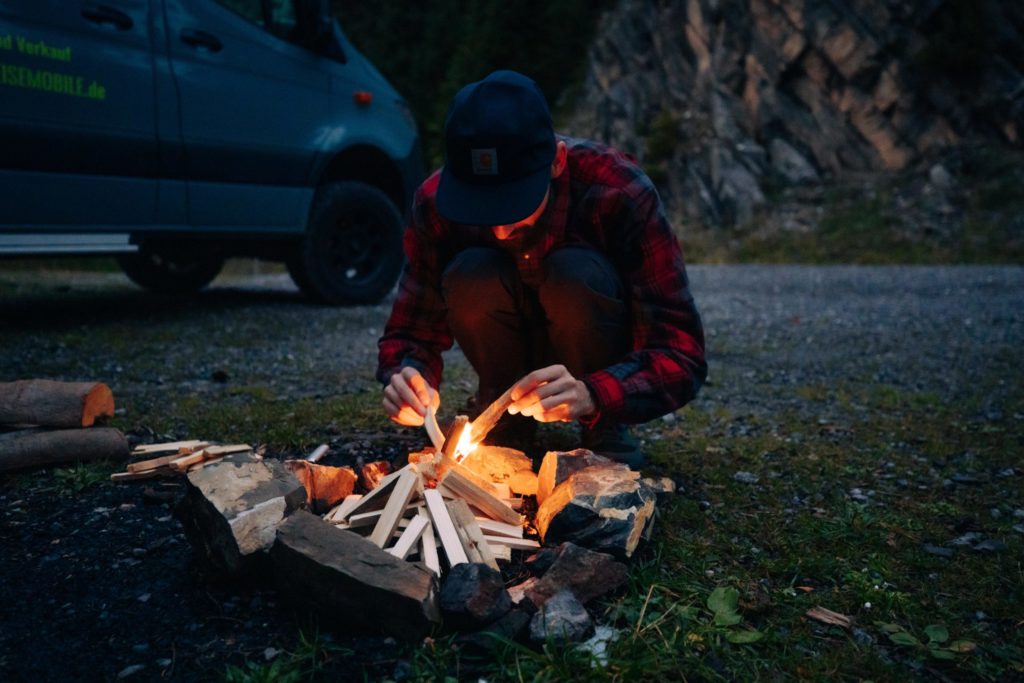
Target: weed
82 476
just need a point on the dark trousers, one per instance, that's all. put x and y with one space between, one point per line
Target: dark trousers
576 316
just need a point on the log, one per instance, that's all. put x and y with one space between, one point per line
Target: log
47 403
486 420
33 448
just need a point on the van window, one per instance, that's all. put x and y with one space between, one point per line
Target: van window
276 16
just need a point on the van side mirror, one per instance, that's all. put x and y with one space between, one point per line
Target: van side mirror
313 24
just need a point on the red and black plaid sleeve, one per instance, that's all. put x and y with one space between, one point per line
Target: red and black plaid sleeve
417 333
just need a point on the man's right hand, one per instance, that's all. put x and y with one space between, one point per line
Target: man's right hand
407 397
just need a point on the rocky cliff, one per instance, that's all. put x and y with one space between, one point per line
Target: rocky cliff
724 101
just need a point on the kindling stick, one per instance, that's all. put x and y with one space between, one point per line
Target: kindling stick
433 429
485 422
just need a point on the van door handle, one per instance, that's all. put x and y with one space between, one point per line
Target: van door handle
200 40
102 15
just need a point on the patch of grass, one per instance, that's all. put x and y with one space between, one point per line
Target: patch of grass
723 591
255 414
82 476
309 661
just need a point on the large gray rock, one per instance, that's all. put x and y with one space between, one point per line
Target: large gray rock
232 508
604 507
562 619
586 573
473 595
351 582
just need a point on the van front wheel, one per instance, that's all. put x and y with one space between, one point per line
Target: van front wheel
352 251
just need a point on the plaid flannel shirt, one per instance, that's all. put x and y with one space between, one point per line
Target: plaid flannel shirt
603 201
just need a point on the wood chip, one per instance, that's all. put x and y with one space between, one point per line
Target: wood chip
827 616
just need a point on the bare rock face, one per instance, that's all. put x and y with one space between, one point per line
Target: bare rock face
557 466
604 507
350 582
586 573
232 509
473 596
562 619
325 486
715 96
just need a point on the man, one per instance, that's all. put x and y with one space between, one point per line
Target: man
551 263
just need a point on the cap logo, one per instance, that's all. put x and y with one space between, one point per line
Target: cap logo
485 161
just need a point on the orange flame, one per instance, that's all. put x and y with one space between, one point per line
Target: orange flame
465 445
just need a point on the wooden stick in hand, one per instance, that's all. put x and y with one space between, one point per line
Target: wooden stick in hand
485 422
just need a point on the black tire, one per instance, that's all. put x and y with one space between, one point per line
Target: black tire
178 268
352 251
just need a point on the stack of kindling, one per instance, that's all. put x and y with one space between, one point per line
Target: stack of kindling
52 423
175 457
434 509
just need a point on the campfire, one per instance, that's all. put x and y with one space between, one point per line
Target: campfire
438 506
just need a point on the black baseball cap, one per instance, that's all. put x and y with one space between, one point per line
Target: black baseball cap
499 145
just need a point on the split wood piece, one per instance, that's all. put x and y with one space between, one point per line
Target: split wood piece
482 482
47 403
204 463
169 447
162 461
473 538
445 529
217 451
376 499
342 510
433 429
318 453
183 462
365 519
501 552
516 543
143 474
463 488
428 548
362 519
453 437
34 448
373 473
486 420
399 500
417 526
501 491
498 529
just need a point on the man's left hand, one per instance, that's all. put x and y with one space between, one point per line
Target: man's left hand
552 394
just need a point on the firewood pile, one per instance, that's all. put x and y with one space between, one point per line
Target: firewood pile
45 422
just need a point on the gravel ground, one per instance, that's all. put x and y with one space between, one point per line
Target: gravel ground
103 582
926 328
